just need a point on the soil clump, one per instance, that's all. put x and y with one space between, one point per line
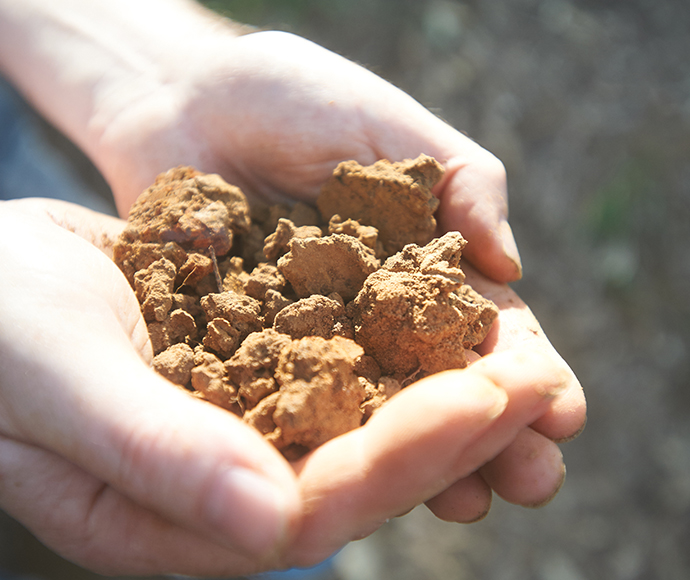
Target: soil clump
302 321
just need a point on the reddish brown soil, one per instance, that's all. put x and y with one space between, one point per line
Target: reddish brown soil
302 322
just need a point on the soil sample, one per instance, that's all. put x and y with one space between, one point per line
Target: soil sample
303 321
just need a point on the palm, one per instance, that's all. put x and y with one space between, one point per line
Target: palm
279 133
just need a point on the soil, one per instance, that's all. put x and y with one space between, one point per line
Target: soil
302 321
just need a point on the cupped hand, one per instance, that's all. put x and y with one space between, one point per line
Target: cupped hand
452 439
274 114
120 471
100 457
530 470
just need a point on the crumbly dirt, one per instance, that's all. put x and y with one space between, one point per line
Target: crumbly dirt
394 198
301 321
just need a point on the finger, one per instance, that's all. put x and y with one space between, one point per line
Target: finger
473 192
566 418
548 378
194 464
466 501
474 200
403 456
99 229
430 435
529 472
93 525
517 326
95 402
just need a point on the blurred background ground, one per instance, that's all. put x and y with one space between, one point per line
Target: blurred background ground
588 105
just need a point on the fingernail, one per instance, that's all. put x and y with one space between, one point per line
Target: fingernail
499 405
540 369
559 384
249 509
479 516
553 494
509 245
575 435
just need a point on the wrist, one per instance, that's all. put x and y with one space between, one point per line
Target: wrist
142 100
89 65
144 122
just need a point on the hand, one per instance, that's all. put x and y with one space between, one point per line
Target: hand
274 114
122 472
457 441
450 439
530 470
100 457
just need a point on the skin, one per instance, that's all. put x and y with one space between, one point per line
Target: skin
112 467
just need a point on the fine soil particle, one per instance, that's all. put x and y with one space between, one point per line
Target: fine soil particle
302 322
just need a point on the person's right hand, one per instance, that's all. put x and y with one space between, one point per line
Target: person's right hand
118 470
425 439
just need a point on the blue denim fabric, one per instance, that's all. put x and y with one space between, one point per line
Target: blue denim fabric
29 166
319 572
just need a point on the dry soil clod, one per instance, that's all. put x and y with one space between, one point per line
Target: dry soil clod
394 198
290 321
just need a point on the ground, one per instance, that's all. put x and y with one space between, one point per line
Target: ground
588 105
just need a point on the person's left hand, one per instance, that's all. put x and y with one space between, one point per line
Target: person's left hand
274 114
528 471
